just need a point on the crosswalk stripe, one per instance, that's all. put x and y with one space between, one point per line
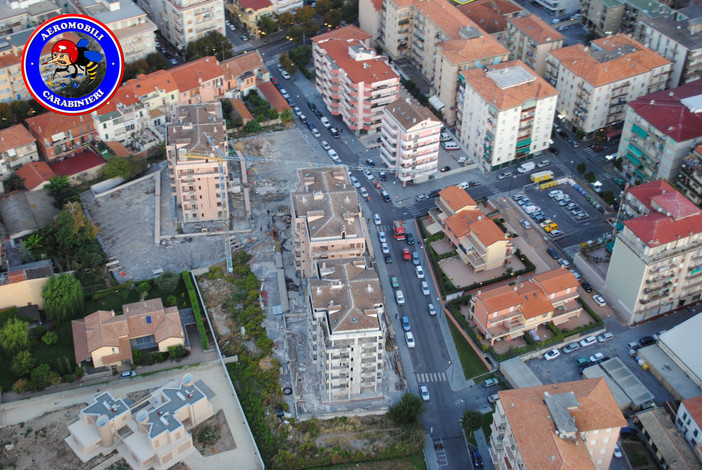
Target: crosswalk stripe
429 377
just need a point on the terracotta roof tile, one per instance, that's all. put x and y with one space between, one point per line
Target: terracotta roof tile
45 125
118 149
346 33
694 407
508 97
236 66
126 94
475 222
535 28
644 192
159 80
368 71
190 75
273 96
255 5
489 15
582 63
15 136
457 198
241 108
377 4
408 114
460 51
444 15
556 280
534 429
35 174
83 161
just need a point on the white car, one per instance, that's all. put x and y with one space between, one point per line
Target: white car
325 122
596 358
543 163
617 451
297 111
589 341
555 21
316 133
376 219
599 300
463 185
368 175
385 248
355 182
325 145
605 337
364 194
424 392
425 288
284 92
382 238
409 338
420 271
525 223
563 262
552 354
285 75
335 156
432 310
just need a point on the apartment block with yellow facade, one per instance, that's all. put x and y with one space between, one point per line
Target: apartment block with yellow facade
249 12
508 312
479 241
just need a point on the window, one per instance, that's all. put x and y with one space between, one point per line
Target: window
148 319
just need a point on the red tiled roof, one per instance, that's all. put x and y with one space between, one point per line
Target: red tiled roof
118 149
85 160
377 4
241 108
665 111
255 5
273 96
35 174
237 66
126 94
346 33
457 198
45 125
189 76
694 407
8 60
368 71
159 80
15 136
489 15
644 192
536 29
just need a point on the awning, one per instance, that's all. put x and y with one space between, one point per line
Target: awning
436 103
633 159
631 148
614 133
640 132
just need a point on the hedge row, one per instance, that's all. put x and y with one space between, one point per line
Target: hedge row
195 304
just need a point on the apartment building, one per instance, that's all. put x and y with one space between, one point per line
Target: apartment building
17 148
198 183
199 81
491 15
25 15
347 334
122 116
561 425
249 12
369 15
595 83
152 435
59 136
678 40
410 140
656 263
508 312
134 30
560 7
659 131
505 113
106 339
478 240
689 181
607 17
183 21
661 436
286 6
530 40
327 218
354 81
440 41
688 420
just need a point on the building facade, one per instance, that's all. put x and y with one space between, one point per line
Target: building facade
17 148
595 83
689 180
608 17
659 131
664 441
478 240
369 15
561 425
688 420
60 136
410 141
183 21
198 181
505 113
656 264
491 15
508 312
25 15
348 337
249 12
355 83
327 218
560 7
678 40
530 40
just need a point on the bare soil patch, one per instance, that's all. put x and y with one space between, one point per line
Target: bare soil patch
225 441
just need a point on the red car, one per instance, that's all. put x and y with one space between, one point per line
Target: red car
274 81
377 185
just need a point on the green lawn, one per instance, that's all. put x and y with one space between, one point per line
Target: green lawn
472 365
119 298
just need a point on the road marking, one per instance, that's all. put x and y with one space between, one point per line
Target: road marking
432 377
440 454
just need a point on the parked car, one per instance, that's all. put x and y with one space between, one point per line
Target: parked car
424 392
553 253
388 259
633 346
564 262
128 373
325 122
382 237
493 398
432 310
503 175
334 132
420 271
525 223
543 163
605 337
405 323
394 282
385 248
434 193
335 156
368 175
583 362
409 239
420 197
554 150
617 451
415 258
445 169
364 193
647 341
587 287
490 382
569 348
315 132
596 358
552 354
599 300
409 338
400 297
285 75
376 219
355 182
477 459
425 288
590 340
657 336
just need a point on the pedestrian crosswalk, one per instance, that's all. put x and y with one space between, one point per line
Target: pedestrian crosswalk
431 377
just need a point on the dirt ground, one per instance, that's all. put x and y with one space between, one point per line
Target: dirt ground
225 441
39 443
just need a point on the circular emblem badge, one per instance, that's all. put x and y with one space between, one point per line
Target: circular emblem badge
72 64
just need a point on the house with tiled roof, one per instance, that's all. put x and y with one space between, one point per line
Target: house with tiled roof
83 166
106 339
688 420
477 239
492 100
35 175
491 15
611 72
17 147
243 111
530 39
507 312
354 81
347 305
158 91
271 94
60 136
199 81
689 180
242 73
326 217
659 131
656 266
122 116
566 425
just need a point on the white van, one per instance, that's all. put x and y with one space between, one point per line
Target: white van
400 297
526 167
409 337
450 145
325 122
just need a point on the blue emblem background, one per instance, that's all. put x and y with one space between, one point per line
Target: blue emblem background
113 60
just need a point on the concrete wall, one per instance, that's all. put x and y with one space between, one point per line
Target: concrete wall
22 293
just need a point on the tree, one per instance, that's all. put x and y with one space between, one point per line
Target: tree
608 197
252 126
590 177
14 336
49 338
267 25
285 20
22 364
300 55
349 12
618 164
118 167
471 421
582 168
306 13
156 61
60 189
143 289
167 281
286 116
287 64
41 377
14 181
63 297
323 6
214 43
34 243
407 409
333 18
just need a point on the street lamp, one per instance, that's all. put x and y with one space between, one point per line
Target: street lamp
511 180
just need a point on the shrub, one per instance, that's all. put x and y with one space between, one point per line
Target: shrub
22 364
148 358
208 435
167 281
159 356
50 338
176 352
137 357
171 301
38 332
41 377
21 386
69 378
195 304
79 371
143 289
407 409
